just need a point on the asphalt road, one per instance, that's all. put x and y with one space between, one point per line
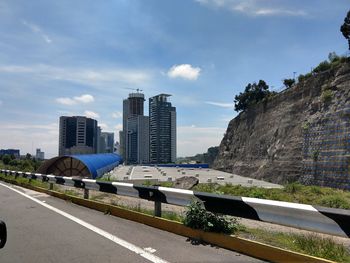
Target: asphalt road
43 229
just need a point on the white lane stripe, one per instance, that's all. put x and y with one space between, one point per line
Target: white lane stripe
132 171
97 230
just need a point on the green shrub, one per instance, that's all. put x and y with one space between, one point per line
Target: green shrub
315 190
257 193
210 188
323 66
147 183
13 162
292 188
6 159
198 218
315 155
302 77
327 95
306 126
335 202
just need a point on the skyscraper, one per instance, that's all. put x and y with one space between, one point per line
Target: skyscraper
39 155
77 135
107 142
138 139
162 130
134 142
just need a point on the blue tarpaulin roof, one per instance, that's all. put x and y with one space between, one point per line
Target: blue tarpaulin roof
98 164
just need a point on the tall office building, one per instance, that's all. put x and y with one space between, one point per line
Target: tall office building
107 142
138 139
39 155
77 135
162 130
13 152
134 136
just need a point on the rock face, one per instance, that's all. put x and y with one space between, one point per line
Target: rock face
301 134
186 182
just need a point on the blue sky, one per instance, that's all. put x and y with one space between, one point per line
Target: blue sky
82 58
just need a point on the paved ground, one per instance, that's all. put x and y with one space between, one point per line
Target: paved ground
135 173
42 228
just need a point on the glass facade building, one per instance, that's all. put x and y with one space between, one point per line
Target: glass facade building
162 130
77 135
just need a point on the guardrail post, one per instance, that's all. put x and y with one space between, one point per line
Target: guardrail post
86 193
157 208
50 186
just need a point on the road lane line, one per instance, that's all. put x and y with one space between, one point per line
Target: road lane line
97 230
132 172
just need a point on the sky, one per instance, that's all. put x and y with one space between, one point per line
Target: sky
84 57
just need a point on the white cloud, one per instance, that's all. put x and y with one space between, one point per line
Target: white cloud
185 71
66 101
103 126
91 114
278 12
95 77
16 69
221 104
252 7
192 139
117 115
85 98
36 29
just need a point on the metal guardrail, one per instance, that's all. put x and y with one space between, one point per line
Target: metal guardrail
315 218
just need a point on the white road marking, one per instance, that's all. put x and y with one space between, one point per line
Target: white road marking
115 239
132 171
150 250
31 192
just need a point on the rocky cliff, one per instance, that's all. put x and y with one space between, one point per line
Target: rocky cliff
300 134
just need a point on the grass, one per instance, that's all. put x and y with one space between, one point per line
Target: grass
307 244
164 184
293 192
69 192
165 214
23 180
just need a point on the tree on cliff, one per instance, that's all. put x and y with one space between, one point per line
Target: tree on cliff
252 94
288 82
345 28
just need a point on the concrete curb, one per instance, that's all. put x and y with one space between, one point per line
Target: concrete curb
244 246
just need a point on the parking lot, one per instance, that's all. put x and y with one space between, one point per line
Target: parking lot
162 174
